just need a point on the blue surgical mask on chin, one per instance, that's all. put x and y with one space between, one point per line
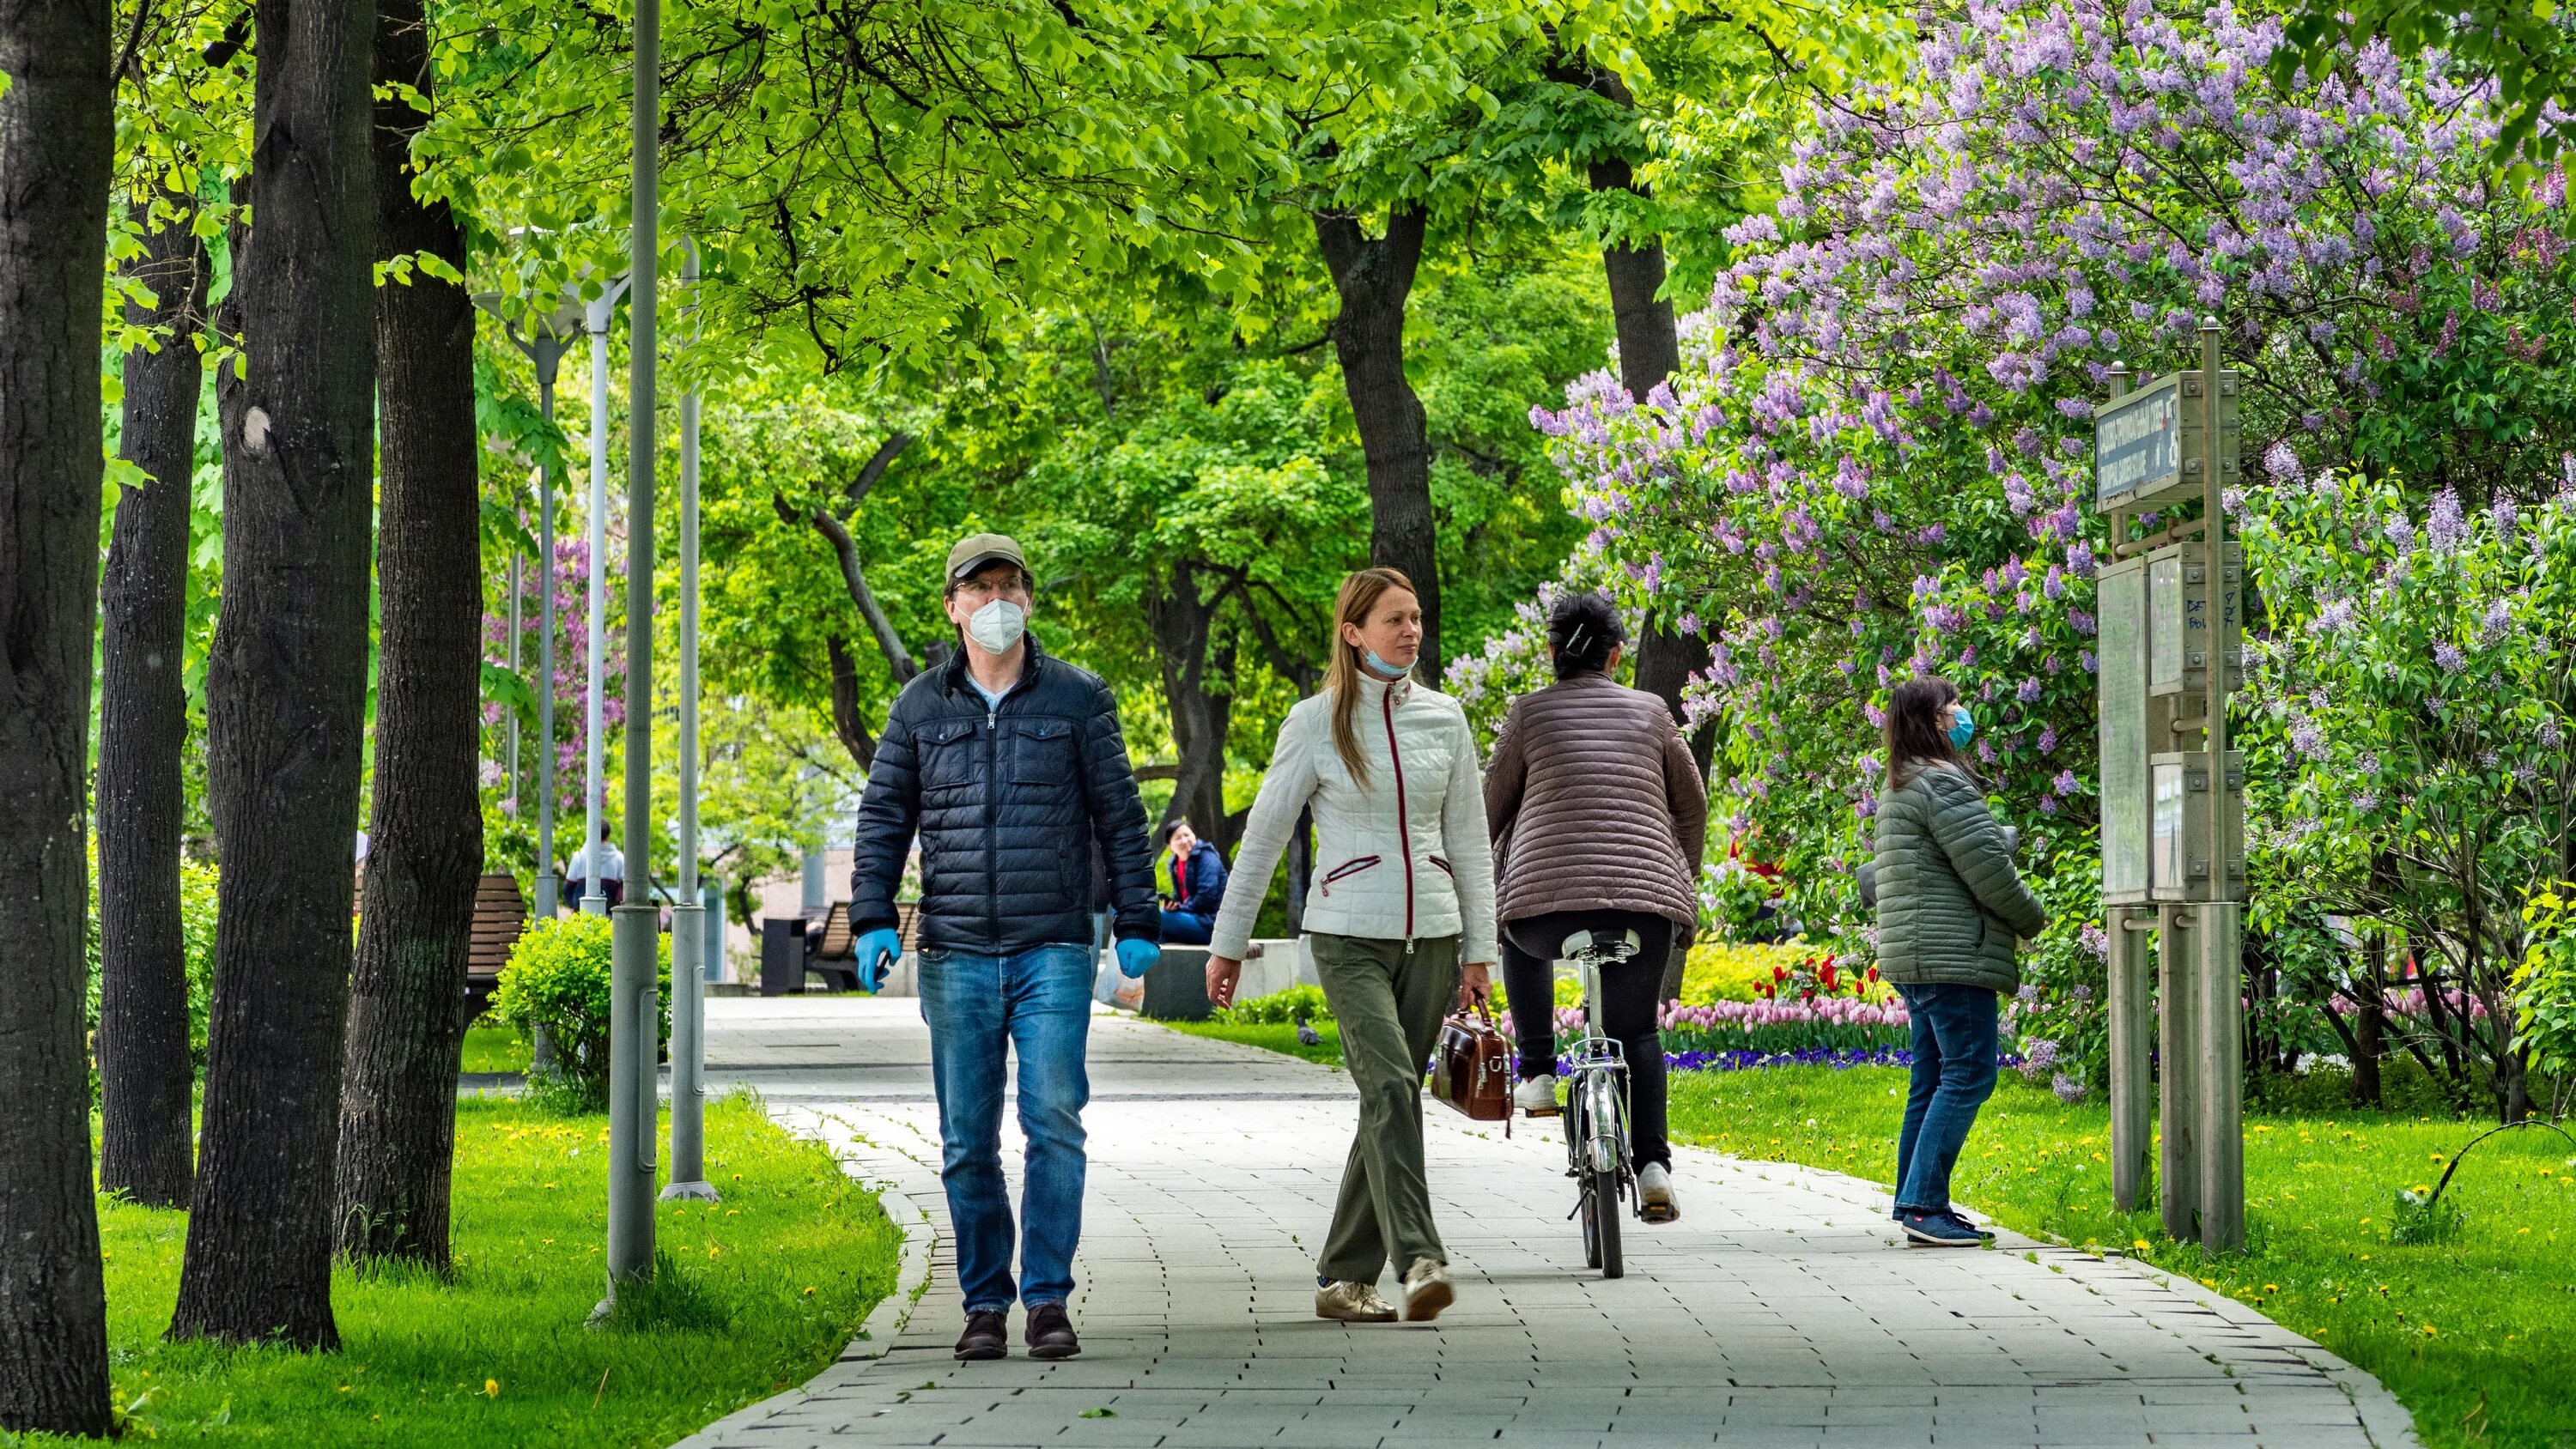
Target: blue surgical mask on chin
1963 727
1379 667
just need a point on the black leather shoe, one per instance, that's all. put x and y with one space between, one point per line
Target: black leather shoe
1050 1332
987 1335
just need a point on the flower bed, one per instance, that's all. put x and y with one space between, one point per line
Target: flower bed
1830 1031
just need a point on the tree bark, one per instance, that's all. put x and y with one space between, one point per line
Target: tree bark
1181 619
56 147
1650 352
1374 277
425 834
147 1141
848 725
2369 1024
286 689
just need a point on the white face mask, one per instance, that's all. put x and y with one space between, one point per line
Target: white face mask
997 626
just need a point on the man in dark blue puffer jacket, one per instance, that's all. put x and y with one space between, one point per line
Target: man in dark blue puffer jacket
1010 766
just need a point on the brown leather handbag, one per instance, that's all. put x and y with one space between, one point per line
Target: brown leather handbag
1471 1069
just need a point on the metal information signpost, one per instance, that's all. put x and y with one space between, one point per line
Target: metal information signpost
2173 793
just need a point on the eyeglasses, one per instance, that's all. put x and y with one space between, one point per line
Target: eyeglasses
987 588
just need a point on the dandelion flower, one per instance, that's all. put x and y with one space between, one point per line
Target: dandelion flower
491 1388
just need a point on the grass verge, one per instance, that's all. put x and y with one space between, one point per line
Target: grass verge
494 1049
2471 1333
1273 1036
757 1294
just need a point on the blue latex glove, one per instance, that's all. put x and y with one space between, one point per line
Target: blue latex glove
876 955
1137 956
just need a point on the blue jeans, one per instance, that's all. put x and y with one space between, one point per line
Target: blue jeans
1038 1004
1954 1074
1183 929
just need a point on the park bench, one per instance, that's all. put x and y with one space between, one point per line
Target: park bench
499 916
831 952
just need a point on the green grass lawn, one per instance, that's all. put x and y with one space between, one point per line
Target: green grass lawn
767 1288
2473 1335
490 1048
1277 1037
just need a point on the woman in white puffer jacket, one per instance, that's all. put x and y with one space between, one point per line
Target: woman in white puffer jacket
1403 894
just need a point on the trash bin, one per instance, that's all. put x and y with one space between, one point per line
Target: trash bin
782 955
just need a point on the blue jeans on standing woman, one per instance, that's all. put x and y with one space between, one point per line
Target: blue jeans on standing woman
1037 1003
1954 1074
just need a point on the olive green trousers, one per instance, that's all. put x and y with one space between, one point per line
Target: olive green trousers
1389 1003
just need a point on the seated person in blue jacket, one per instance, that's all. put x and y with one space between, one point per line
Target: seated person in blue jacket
1198 888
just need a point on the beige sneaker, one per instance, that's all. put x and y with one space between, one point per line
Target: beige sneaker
1655 1197
1427 1291
1353 1303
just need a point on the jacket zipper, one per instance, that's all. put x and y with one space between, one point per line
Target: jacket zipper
1403 821
1353 866
992 825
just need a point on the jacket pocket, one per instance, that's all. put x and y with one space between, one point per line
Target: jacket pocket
1445 866
946 752
1042 753
1350 867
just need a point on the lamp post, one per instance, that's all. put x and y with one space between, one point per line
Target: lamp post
635 994
688 933
543 345
600 311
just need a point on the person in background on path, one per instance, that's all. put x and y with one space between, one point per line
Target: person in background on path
603 860
1404 891
1198 888
1009 764
1949 905
1599 817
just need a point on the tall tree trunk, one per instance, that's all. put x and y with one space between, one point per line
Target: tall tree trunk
848 723
147 1142
2369 1023
1181 620
1650 352
1374 277
56 146
286 688
425 835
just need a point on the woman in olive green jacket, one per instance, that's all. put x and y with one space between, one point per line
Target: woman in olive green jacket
1950 906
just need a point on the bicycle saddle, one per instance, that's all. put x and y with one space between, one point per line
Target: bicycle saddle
1602 945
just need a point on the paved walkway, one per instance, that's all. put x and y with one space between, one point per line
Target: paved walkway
1779 1312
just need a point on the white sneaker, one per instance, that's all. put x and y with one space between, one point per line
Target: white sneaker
1427 1291
1655 1194
1536 1097
1353 1303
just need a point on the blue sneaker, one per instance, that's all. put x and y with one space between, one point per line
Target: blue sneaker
1961 1219
1939 1230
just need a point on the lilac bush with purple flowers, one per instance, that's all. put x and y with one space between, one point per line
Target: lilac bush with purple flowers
2408 702
1875 463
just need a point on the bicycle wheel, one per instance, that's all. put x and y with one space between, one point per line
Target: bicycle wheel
1601 1222
1578 1137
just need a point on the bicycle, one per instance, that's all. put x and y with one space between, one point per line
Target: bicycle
1596 1108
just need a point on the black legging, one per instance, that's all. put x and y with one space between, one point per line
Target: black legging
1629 991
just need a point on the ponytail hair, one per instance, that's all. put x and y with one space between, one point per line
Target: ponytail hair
1582 629
1359 595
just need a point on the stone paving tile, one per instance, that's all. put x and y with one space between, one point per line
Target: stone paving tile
1781 1313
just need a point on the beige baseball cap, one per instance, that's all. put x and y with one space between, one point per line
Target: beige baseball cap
972 555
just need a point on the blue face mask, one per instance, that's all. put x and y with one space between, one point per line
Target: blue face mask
1379 667
1963 727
